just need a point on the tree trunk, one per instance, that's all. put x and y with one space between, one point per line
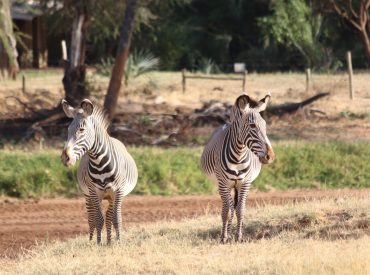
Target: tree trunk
8 53
111 98
75 70
366 43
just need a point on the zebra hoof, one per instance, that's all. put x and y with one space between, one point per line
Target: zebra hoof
225 240
240 240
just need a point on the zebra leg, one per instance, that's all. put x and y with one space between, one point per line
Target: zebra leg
108 220
240 209
117 218
231 216
99 218
90 216
225 213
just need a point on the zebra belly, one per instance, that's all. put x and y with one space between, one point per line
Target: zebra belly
108 193
86 182
233 179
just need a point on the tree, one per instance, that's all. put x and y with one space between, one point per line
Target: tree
111 98
8 52
75 69
357 14
294 25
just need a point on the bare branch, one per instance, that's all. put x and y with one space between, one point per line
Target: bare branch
350 8
364 16
343 13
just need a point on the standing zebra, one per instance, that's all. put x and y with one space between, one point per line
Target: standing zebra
233 155
106 171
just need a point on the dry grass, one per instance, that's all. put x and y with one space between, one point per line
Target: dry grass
284 87
322 237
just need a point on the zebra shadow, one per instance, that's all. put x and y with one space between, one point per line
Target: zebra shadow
254 231
330 227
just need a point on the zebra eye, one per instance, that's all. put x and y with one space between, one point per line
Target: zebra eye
81 130
252 125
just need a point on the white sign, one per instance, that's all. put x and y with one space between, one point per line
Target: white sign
239 67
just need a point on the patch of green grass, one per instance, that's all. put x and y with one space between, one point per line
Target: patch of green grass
170 171
31 73
353 115
313 165
26 174
176 171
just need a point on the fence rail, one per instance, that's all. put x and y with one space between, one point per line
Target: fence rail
189 76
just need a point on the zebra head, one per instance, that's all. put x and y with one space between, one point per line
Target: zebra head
81 132
250 127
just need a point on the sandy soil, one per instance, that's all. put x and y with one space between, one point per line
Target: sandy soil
24 223
346 119
44 90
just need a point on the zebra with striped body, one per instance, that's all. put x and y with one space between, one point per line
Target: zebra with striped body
233 157
106 171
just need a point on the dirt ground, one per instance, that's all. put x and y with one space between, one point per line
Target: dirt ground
153 107
24 223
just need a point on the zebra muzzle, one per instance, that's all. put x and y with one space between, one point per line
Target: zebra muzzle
66 158
269 157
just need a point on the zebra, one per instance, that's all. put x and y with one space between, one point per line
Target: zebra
233 156
106 170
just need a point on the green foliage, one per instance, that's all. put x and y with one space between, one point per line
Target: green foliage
266 35
137 64
207 66
140 63
294 25
105 66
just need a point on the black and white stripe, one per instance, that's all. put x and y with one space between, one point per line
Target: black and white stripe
233 157
106 171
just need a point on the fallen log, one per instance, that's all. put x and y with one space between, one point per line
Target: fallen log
288 108
215 112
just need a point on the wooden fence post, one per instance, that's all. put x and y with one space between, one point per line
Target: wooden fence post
244 79
183 80
64 50
350 74
308 80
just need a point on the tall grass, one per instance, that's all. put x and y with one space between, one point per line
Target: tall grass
176 171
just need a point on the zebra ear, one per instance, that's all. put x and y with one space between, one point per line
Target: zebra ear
262 104
68 109
87 107
242 102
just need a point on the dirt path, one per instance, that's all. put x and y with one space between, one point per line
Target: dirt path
22 223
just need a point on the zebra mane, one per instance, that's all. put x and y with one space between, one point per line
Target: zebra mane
100 117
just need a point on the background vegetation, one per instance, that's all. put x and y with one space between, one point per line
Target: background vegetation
267 35
176 171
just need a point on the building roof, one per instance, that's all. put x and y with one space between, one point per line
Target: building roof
25 11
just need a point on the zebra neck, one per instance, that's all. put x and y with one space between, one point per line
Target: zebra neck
238 151
100 149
